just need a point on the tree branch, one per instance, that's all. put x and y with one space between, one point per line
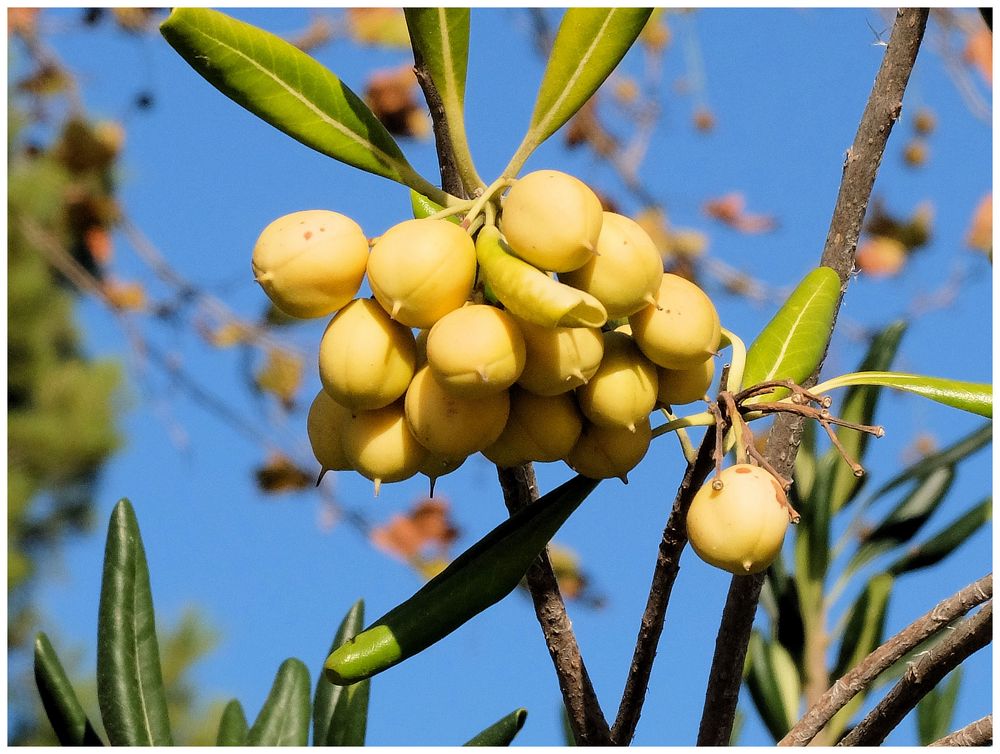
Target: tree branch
866 671
979 733
582 707
967 638
860 168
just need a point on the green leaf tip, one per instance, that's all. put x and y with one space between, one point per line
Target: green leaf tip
502 732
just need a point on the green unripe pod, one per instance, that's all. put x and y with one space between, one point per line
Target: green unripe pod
558 359
476 350
366 360
539 428
606 452
420 270
325 426
682 330
739 528
623 390
679 386
450 425
380 446
310 263
626 271
552 220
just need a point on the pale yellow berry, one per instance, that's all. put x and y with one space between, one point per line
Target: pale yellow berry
381 447
539 428
325 426
680 386
684 330
558 359
623 390
606 452
311 263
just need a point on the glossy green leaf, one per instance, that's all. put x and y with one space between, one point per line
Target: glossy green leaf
129 680
588 46
233 728
63 709
440 41
502 732
792 344
974 397
936 710
287 88
865 624
945 542
774 684
284 718
481 576
340 713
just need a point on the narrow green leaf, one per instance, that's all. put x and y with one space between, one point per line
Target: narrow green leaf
588 46
974 397
284 718
791 345
865 624
233 728
945 542
63 709
805 462
287 88
936 710
340 713
423 207
816 526
502 732
481 576
129 680
786 620
774 684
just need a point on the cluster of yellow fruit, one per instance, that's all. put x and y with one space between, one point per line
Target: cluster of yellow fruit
531 377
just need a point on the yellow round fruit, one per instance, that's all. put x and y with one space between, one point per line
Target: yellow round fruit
381 447
606 452
310 263
552 220
679 386
558 359
683 331
625 272
434 467
476 350
539 428
325 426
420 270
739 528
365 359
450 425
623 390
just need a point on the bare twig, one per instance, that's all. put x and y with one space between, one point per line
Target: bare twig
979 733
860 168
866 671
968 637
582 707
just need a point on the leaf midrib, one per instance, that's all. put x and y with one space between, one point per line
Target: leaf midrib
780 357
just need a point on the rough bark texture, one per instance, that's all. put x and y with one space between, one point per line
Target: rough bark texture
979 733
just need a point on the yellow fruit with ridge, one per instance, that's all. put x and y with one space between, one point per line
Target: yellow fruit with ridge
420 270
679 386
310 263
558 359
450 425
626 271
623 390
325 427
366 360
476 350
739 528
552 220
381 447
606 452
682 330
539 428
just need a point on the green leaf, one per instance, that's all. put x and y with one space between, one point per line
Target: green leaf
865 624
588 46
936 710
774 684
974 397
423 207
284 718
502 732
945 542
129 680
340 713
233 727
481 576
792 344
287 88
62 708
786 612
440 41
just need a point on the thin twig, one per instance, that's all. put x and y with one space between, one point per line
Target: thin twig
969 636
860 168
979 733
861 675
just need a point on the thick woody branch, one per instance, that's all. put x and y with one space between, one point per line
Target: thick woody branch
860 168
865 672
582 707
979 733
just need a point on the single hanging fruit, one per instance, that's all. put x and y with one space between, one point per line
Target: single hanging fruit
679 386
682 330
623 390
381 447
539 428
606 452
558 359
325 426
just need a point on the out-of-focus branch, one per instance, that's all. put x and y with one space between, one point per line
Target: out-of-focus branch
866 671
860 168
979 733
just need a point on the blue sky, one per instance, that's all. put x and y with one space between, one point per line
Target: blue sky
202 177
